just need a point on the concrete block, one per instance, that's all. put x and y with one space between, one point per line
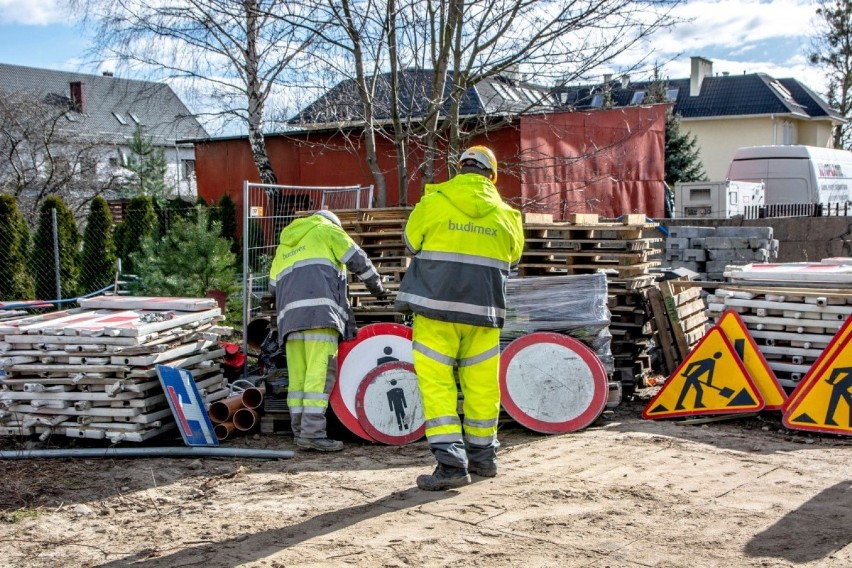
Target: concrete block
745 255
691 232
677 243
773 245
716 276
758 243
745 232
691 265
674 255
726 243
699 255
696 243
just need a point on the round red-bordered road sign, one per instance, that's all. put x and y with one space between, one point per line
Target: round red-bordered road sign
551 383
374 345
389 406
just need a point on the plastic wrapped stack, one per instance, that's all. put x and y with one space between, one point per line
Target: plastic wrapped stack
571 305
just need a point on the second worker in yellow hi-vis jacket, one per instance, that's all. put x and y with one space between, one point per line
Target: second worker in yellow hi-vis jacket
464 239
308 277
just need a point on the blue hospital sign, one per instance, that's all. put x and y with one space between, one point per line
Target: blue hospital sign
187 406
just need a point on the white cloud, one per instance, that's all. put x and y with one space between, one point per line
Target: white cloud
32 12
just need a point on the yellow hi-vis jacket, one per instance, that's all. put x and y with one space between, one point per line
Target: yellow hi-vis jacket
464 240
308 277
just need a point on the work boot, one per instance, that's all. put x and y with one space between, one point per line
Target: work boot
483 469
319 444
444 477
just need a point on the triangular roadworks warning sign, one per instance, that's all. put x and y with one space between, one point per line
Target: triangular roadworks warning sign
825 402
711 380
827 354
758 369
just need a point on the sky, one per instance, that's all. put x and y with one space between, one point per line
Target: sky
738 36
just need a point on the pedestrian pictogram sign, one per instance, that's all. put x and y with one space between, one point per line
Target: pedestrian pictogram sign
374 345
842 334
758 369
389 406
712 380
551 383
825 403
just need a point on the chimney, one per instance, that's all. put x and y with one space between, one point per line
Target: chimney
78 96
107 73
607 77
625 80
700 68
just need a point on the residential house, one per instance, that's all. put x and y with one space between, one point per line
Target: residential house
725 112
104 112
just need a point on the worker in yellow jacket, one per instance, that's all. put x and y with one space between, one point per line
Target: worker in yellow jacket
464 239
308 278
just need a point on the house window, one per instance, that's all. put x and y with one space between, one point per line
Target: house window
638 97
188 169
119 118
671 95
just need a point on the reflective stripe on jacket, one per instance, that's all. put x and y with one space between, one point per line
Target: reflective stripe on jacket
308 277
465 239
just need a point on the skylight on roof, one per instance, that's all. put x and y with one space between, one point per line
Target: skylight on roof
671 95
135 118
597 100
638 97
119 118
782 90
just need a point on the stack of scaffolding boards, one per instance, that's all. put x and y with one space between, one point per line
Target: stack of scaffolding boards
625 250
90 372
791 310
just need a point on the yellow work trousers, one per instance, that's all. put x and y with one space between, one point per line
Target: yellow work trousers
312 370
439 347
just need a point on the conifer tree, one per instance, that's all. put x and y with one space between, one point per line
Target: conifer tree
190 260
42 264
147 164
97 262
141 221
683 163
15 280
227 214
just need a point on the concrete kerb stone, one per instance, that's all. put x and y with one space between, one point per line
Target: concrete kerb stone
745 232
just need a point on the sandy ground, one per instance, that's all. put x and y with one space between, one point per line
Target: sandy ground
624 492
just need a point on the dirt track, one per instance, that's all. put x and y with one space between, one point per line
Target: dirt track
625 492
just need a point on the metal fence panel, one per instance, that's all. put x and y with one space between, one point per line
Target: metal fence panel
270 208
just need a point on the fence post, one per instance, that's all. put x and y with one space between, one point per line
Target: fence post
56 253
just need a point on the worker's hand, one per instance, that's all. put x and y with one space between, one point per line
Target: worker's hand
383 295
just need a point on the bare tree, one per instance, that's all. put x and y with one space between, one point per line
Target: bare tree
232 54
41 154
462 44
831 50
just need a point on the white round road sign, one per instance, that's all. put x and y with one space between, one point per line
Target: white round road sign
551 383
389 406
374 345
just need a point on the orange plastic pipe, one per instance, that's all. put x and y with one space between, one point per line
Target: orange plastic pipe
223 430
245 419
252 397
223 410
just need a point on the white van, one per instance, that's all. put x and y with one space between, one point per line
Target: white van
796 174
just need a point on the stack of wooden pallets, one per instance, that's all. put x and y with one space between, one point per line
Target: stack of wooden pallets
625 250
90 372
679 320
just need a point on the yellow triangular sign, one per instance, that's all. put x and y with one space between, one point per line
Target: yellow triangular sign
755 364
827 354
824 403
711 380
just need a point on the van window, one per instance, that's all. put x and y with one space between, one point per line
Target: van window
733 198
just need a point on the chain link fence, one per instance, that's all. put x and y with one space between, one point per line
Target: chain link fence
76 257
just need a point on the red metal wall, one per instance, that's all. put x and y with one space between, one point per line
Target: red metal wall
608 162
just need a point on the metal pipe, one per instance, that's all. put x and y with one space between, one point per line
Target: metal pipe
176 452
